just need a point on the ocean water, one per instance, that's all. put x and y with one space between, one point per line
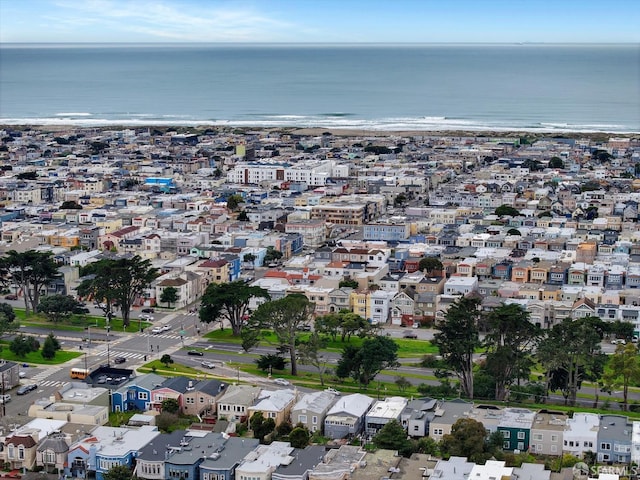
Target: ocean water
378 87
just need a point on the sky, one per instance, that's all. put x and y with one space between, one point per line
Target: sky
320 21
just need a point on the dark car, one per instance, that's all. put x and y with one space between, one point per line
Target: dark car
23 390
11 296
195 352
119 360
147 310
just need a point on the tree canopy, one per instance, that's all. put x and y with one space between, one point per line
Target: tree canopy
230 302
457 339
60 307
285 317
117 281
169 295
506 210
468 439
392 436
365 362
430 265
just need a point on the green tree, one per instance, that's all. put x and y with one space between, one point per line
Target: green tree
458 338
22 344
118 472
166 359
285 317
311 353
621 329
299 437
166 422
70 205
514 231
402 383
7 319
260 426
624 370
392 436
249 258
118 281
169 295
271 362
233 201
59 307
243 217
48 351
352 324
468 438
328 325
32 271
365 362
349 283
170 405
510 342
556 162
506 210
229 301
568 352
430 265
272 255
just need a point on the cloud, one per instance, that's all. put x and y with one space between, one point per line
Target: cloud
158 20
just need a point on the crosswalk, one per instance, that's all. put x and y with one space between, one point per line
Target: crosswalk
52 383
171 337
116 353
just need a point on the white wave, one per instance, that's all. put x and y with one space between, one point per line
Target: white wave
347 123
73 114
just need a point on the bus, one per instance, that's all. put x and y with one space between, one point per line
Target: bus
80 373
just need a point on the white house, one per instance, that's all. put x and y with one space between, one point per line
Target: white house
581 434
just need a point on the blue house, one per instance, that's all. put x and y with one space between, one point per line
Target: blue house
107 447
136 394
614 439
213 455
235 265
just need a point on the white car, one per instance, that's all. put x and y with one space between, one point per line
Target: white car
282 381
155 330
208 364
165 328
146 316
332 390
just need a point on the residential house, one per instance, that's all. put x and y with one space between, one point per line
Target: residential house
403 305
106 447
306 460
9 374
346 417
172 388
531 471
635 443
260 463
150 458
460 285
19 446
312 409
581 434
274 404
222 463
420 416
455 468
382 412
235 402
202 398
489 415
614 439
446 414
515 426
339 463
547 432
136 395
51 453
491 470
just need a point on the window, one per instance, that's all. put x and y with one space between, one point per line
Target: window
554 448
506 445
49 457
20 452
143 396
302 418
11 453
521 435
538 437
506 434
520 445
189 400
554 438
605 446
314 420
437 431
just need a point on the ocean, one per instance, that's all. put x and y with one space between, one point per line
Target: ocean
528 87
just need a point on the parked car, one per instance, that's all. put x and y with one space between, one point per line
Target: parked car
5 398
410 334
195 352
304 328
146 316
332 390
22 374
208 364
23 390
119 360
11 296
282 381
147 310
618 341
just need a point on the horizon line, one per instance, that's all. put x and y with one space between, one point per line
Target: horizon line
290 43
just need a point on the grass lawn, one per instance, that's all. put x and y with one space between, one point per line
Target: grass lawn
62 356
407 347
78 322
174 369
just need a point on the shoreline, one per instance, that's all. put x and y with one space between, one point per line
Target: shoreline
338 132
